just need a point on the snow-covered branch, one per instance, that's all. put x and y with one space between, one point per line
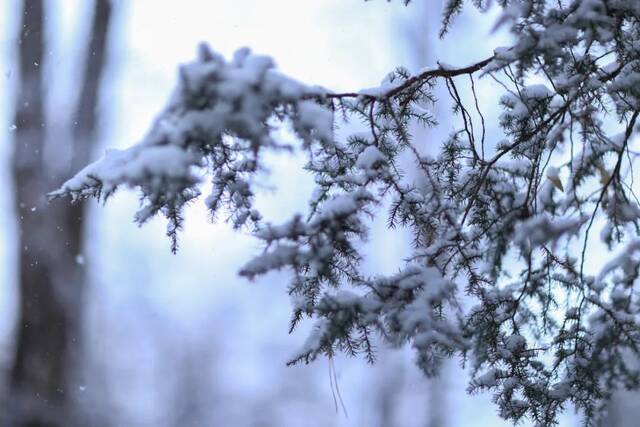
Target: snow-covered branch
505 218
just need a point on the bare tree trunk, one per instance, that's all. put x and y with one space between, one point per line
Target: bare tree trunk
50 236
190 405
422 35
86 116
623 409
38 370
85 127
389 390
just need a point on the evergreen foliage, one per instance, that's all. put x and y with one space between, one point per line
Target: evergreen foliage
507 221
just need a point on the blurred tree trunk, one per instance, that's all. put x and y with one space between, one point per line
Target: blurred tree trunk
50 236
421 34
623 409
190 406
390 389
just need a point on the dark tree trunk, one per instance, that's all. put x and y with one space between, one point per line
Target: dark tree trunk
50 236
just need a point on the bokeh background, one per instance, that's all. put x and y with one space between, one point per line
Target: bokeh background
137 336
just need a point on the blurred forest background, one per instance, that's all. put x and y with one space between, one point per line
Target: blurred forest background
100 325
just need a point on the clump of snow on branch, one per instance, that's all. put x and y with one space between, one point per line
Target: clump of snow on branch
218 120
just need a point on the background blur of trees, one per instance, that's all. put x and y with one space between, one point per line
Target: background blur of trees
110 329
51 275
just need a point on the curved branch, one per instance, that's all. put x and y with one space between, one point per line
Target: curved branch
419 78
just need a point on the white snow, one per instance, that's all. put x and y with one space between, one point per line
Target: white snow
369 158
